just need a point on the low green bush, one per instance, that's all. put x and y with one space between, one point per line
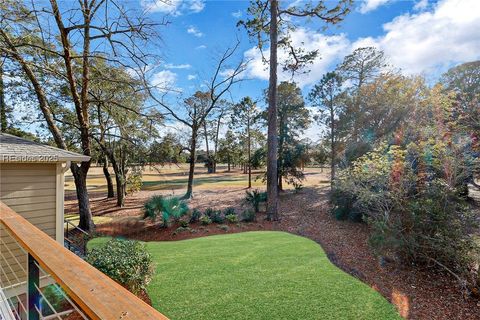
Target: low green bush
125 261
195 216
229 211
181 229
205 220
248 216
232 218
183 223
215 215
223 227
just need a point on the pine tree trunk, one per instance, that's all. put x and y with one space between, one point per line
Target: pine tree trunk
272 173
3 107
332 146
249 155
191 171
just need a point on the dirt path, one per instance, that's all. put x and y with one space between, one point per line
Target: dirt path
417 294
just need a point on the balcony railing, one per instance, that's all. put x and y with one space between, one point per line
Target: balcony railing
88 293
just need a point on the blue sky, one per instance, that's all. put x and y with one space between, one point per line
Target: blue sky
418 36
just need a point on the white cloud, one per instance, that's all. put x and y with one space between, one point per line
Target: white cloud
370 5
331 49
237 14
173 7
193 30
196 5
432 40
177 66
201 47
191 77
164 79
420 5
429 41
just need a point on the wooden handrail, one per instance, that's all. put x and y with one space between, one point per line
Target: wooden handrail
97 295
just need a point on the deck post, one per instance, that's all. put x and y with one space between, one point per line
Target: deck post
33 285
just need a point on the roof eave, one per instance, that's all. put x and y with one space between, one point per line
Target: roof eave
74 159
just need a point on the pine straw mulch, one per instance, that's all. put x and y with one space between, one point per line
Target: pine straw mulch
417 293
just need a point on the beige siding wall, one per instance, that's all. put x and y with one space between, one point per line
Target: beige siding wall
30 190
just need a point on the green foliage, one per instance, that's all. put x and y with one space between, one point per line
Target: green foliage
182 229
205 220
169 150
166 207
293 119
229 210
183 223
223 227
215 215
125 261
195 216
410 197
232 218
255 198
56 298
248 216
134 180
153 207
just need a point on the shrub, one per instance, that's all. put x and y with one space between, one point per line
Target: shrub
410 197
248 216
183 223
214 215
127 262
255 197
181 229
218 217
134 180
209 212
167 207
205 220
223 227
195 216
232 218
229 211
56 298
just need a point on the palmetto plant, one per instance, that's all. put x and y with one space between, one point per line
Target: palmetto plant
256 197
166 207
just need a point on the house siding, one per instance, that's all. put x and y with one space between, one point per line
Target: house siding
29 189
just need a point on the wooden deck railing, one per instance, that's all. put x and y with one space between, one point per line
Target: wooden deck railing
98 296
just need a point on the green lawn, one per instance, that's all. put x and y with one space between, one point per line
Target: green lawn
256 275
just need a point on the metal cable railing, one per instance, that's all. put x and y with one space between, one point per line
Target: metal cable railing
23 294
32 265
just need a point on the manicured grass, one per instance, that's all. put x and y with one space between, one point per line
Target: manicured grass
256 275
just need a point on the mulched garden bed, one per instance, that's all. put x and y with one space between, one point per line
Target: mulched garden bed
145 231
